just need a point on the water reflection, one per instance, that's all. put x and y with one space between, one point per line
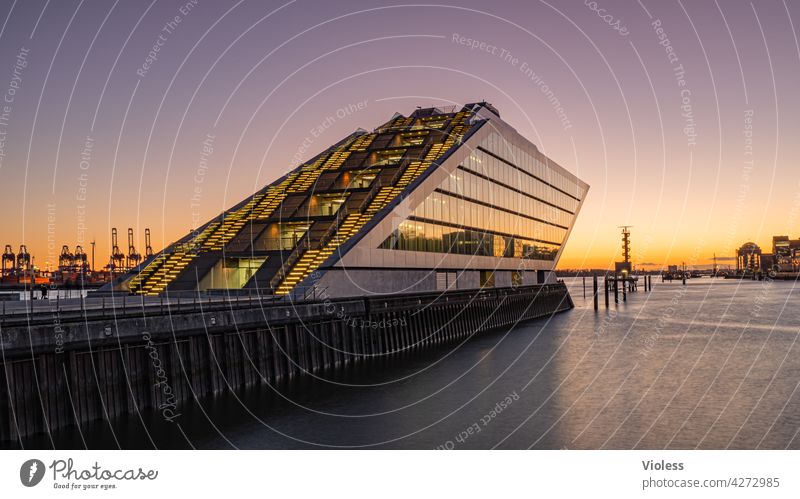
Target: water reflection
711 365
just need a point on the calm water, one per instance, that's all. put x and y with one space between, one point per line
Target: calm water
714 364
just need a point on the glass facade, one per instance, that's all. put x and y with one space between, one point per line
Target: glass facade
500 201
524 162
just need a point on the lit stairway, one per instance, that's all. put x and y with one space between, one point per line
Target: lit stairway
413 171
363 142
309 175
299 271
232 223
135 283
312 259
385 194
173 265
165 267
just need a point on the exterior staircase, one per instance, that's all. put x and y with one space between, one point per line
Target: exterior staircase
165 267
311 259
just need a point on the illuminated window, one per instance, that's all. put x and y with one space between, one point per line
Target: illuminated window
385 157
359 180
231 273
325 204
282 236
411 138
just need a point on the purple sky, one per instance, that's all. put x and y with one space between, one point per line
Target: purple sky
252 79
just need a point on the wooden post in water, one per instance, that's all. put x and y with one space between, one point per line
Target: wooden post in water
605 285
594 285
624 288
584 287
616 288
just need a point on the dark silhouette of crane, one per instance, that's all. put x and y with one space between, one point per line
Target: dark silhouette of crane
117 260
23 259
148 250
81 261
9 261
66 260
134 257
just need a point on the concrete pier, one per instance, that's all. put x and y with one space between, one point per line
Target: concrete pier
78 363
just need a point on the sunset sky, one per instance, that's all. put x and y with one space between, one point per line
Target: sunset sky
682 116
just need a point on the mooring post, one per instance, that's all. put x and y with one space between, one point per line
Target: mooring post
616 288
584 287
684 279
605 285
624 288
594 285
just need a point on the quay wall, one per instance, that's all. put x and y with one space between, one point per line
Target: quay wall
72 368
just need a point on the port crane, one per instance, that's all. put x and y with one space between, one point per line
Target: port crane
81 261
133 257
23 259
10 259
148 249
117 257
66 260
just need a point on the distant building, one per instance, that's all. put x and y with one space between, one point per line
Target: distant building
787 253
748 258
439 199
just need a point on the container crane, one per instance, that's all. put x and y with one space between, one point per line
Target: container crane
148 249
10 259
23 259
133 256
117 257
66 260
81 260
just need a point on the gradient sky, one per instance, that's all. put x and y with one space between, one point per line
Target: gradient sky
258 76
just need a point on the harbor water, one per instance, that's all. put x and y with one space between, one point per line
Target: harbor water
712 364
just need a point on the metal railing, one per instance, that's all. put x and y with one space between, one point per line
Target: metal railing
39 312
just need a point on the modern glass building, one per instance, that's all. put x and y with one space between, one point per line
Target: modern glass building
440 199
